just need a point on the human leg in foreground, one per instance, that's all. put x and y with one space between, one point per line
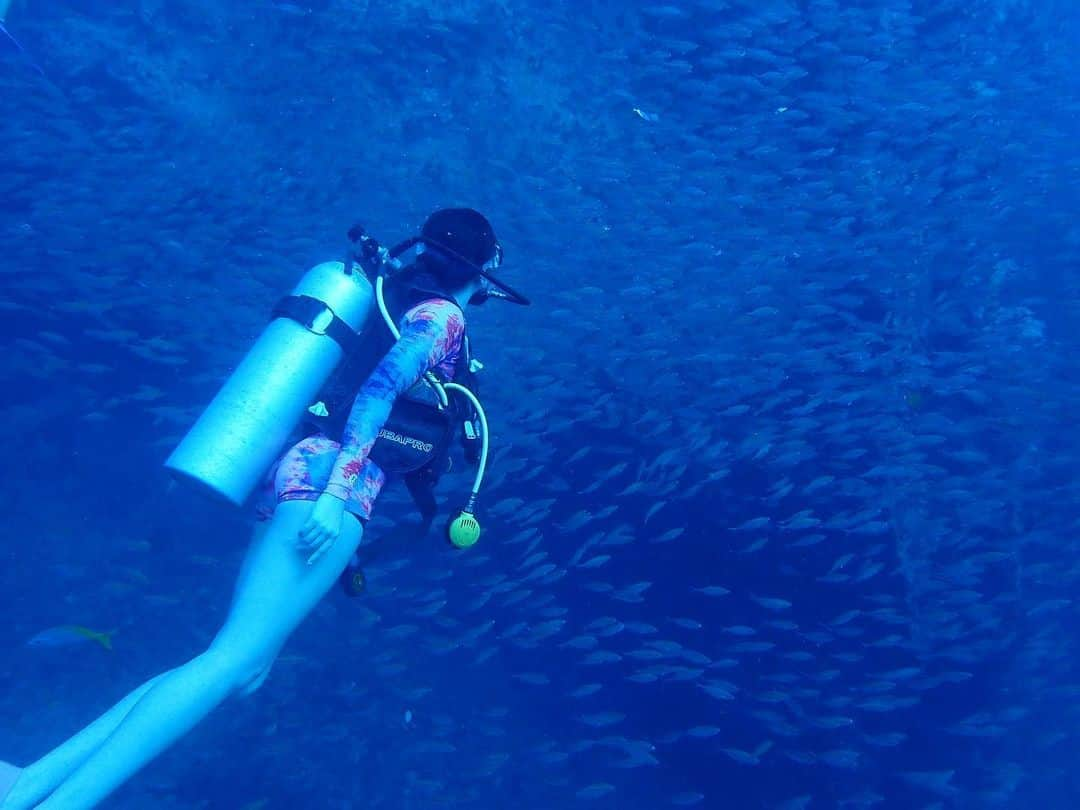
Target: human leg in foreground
9 774
277 588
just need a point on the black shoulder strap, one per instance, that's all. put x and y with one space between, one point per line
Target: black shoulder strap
463 373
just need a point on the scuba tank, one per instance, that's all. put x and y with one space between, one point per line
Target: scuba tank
241 432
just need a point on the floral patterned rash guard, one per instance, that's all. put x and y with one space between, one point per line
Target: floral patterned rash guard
432 333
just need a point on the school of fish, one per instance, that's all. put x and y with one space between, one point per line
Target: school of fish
781 509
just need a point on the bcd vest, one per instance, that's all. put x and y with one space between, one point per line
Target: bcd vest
416 439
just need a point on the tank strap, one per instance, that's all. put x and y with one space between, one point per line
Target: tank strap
317 317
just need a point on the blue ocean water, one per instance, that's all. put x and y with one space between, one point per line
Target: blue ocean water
782 510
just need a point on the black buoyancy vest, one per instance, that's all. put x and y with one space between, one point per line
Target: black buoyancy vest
415 440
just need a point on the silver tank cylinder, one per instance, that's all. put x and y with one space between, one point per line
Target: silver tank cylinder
242 431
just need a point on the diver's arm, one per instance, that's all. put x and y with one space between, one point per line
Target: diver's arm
430 333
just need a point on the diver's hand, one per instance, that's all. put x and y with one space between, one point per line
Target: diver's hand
323 527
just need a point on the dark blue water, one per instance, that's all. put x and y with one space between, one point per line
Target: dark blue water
808 269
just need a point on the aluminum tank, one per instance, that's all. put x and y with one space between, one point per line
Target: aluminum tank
242 431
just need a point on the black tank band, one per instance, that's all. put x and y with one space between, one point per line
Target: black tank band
317 317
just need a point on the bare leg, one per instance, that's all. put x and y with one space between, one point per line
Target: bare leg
276 590
40 779
9 775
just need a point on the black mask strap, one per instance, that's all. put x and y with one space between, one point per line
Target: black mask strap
401 247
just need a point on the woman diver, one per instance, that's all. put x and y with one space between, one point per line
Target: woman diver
323 491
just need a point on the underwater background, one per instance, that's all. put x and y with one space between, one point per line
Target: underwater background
782 511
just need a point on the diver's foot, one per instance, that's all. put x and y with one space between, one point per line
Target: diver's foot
9 775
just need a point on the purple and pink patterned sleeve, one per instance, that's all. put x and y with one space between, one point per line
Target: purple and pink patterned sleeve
431 335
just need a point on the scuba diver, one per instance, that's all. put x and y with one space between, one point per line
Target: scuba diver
388 399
